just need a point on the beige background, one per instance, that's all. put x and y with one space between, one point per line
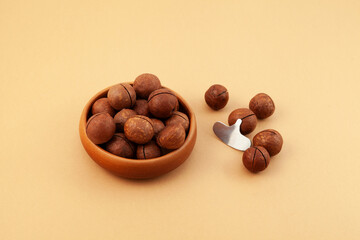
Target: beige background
55 55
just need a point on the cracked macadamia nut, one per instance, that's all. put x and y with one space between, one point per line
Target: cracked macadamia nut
270 139
142 107
158 125
145 84
179 118
102 105
120 146
256 159
162 103
248 118
217 97
147 151
139 129
122 96
121 117
262 105
171 137
100 128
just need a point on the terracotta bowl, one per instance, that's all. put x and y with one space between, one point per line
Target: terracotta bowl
133 168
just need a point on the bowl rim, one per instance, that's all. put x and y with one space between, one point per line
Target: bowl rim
86 110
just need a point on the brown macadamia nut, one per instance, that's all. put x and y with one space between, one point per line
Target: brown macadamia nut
158 125
162 103
100 128
147 151
248 118
102 105
139 129
122 96
145 84
171 137
262 105
121 117
179 118
142 107
217 97
270 139
120 146
256 159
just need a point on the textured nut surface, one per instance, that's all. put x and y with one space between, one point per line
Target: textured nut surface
147 151
179 118
171 137
102 105
162 103
256 159
262 105
270 139
217 97
145 84
139 129
142 107
120 146
248 118
122 96
121 117
100 128
158 125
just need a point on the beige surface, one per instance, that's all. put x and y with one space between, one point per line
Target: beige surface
54 55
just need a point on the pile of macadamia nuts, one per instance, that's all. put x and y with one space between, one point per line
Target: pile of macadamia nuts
266 143
138 121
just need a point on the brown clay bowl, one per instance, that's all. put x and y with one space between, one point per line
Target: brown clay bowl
133 168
